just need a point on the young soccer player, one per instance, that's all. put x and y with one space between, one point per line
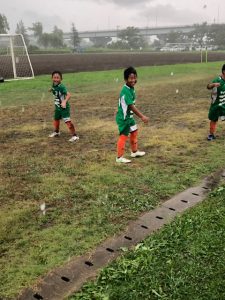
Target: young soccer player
125 119
62 106
217 107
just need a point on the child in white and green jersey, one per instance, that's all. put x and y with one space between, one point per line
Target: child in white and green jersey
217 107
62 106
125 119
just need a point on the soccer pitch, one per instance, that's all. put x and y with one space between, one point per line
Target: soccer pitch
88 196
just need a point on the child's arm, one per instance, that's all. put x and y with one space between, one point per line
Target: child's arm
212 85
63 104
138 113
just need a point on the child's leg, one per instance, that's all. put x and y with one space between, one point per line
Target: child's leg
67 120
56 124
133 141
212 127
71 127
121 145
134 145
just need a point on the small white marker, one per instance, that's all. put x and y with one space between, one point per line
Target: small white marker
43 208
171 73
177 91
23 109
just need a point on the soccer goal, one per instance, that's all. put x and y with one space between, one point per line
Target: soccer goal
14 58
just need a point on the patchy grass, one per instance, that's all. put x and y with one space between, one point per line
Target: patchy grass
15 93
185 260
88 196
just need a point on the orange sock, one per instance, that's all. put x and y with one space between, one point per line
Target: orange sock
133 141
71 127
56 125
121 145
212 128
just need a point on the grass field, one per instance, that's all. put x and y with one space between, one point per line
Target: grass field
185 260
88 196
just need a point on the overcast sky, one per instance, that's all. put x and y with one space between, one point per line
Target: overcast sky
110 14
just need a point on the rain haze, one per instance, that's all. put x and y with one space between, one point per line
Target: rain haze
111 14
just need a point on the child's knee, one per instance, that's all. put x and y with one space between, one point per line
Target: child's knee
69 124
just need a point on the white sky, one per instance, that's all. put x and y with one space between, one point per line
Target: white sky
110 14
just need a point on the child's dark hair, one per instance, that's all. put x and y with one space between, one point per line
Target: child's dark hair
129 71
223 68
57 72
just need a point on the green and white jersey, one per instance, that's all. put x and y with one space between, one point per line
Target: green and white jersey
60 92
218 93
127 97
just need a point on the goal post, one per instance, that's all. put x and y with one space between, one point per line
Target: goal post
14 58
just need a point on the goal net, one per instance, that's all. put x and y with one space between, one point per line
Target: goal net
14 59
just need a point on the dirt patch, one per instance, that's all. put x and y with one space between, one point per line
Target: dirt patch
69 63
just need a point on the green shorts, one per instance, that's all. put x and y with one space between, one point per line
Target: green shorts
62 113
126 126
216 111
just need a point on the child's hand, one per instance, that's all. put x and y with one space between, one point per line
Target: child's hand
216 84
50 89
63 104
145 119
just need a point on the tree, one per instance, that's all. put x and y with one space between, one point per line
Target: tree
176 37
4 25
21 29
75 40
57 38
100 41
118 45
37 29
200 34
216 35
46 39
131 38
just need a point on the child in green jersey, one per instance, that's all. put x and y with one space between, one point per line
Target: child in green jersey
62 106
217 107
124 117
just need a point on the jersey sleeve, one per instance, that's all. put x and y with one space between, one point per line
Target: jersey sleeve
63 89
215 80
128 98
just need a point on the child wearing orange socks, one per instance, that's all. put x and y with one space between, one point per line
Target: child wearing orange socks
125 119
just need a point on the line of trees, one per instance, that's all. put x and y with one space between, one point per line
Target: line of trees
202 35
53 39
129 38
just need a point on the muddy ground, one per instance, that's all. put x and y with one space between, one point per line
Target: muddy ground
88 196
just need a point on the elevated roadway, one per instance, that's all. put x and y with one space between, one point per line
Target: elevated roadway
148 31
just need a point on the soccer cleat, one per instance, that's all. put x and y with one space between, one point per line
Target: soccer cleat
74 138
54 134
211 137
122 160
137 154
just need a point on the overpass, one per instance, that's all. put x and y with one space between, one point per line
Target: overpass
148 31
